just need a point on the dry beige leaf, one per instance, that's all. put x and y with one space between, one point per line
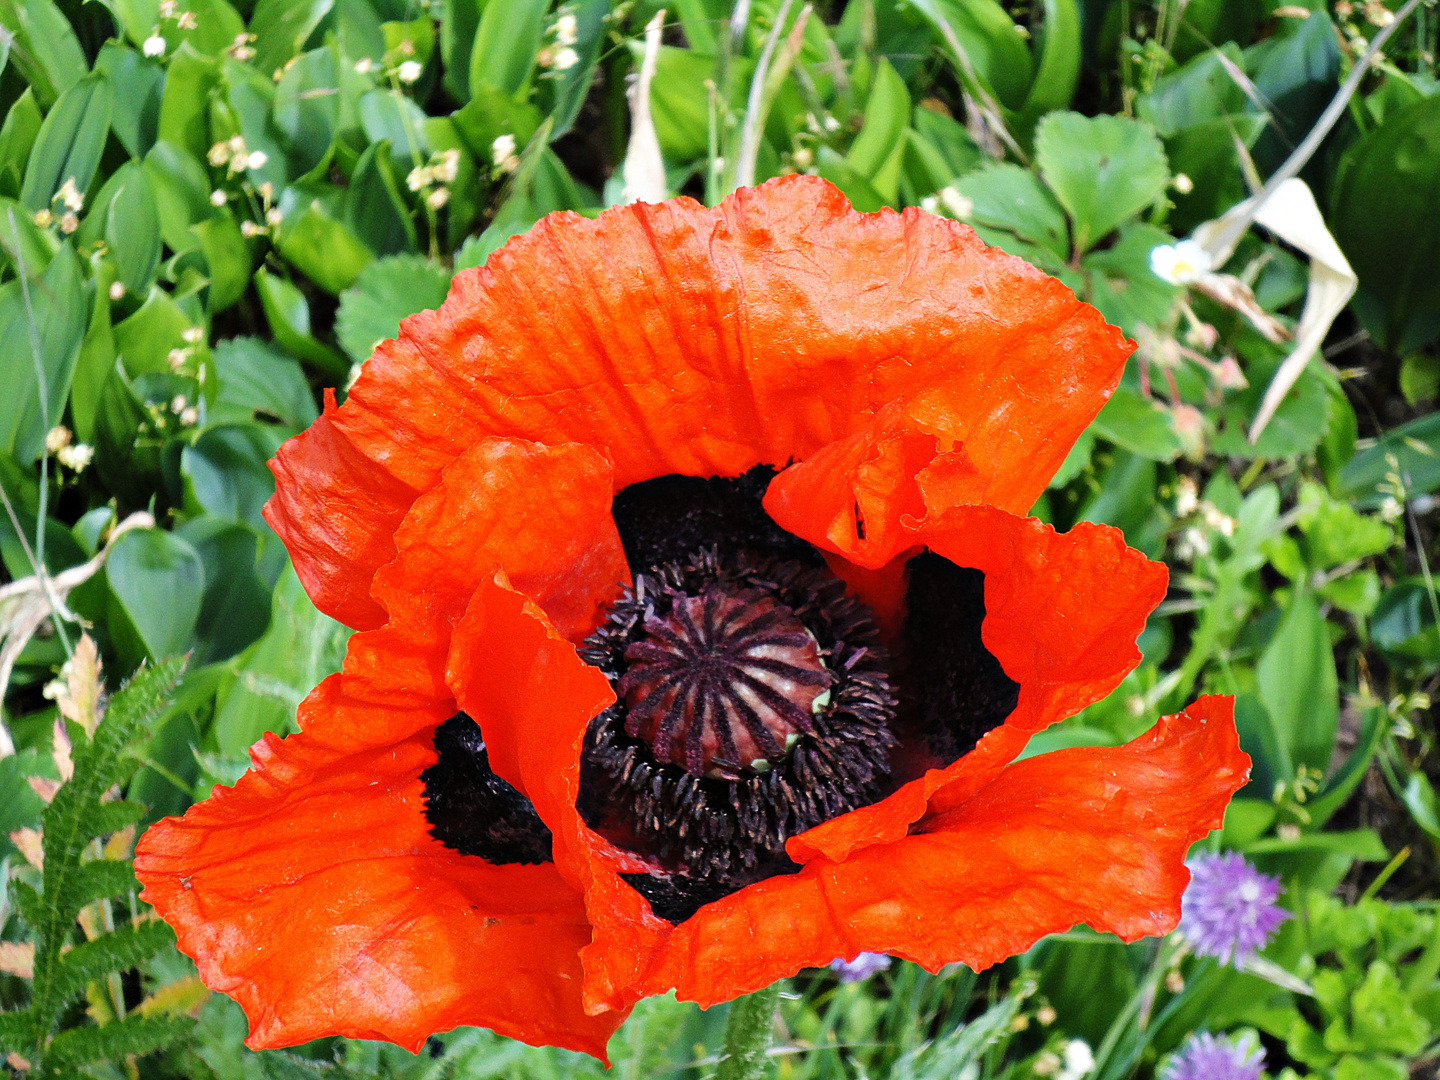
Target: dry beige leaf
60 751
31 844
17 958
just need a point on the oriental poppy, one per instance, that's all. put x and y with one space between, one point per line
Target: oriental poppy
700 630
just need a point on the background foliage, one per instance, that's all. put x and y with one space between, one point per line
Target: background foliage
211 211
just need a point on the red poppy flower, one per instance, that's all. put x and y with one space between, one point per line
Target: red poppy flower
709 519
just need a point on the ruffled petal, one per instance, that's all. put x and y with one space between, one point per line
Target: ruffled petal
680 339
1090 835
541 514
1062 612
313 894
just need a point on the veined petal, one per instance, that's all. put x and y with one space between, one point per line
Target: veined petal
680 339
313 894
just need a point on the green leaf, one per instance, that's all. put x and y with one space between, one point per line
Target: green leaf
375 211
1384 220
185 104
1011 198
1059 70
158 581
459 19
1122 285
1002 64
146 338
289 318
385 292
42 323
1207 153
44 47
1199 92
113 816
269 680
70 142
227 476
116 951
307 107
1420 800
227 256
1297 426
390 115
281 28
506 42
134 1035
1138 425
1103 169
568 92
1415 449
132 229
182 193
235 607
137 86
878 151
127 460
1335 533
1404 626
857 188
17 138
1298 684
258 381
322 248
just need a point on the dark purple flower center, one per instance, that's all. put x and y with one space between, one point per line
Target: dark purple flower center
723 683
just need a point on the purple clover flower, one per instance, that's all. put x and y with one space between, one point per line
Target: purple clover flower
1229 909
861 968
1205 1057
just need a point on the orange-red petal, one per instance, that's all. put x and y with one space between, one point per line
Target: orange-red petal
1090 835
675 338
313 894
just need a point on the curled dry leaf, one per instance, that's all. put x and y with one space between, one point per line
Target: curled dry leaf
18 958
30 844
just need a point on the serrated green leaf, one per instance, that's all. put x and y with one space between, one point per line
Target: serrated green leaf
27 902
1103 169
97 880
70 142
385 292
16 1030
113 816
133 1035
1011 198
118 950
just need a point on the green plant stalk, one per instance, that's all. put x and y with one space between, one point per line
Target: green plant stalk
749 1034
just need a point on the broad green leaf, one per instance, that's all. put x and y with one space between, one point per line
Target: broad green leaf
226 476
42 324
97 355
491 114
146 338
469 193
182 193
459 19
69 144
1298 425
17 137
322 248
1208 155
1375 725
1294 73
1424 807
680 100
157 580
1125 498
1122 285
227 256
126 455
289 318
252 100
217 24
385 292
1298 684
137 86
1384 220
270 679
1059 69
281 28
20 237
857 188
185 104
506 42
1103 170
258 381
878 150
1199 92
235 606
1404 625
44 48
375 210
1011 198
390 115
1001 62
566 94
1140 426
1370 477
132 229
307 107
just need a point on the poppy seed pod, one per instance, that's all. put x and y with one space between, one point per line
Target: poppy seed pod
700 628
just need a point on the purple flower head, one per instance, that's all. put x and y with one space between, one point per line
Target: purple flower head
1205 1057
861 968
1229 909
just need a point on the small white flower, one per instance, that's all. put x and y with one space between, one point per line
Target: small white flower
190 416
256 159
502 150
1187 497
178 404
72 198
76 457
803 157
437 198
186 20
117 290
44 218
167 9
565 59
447 167
218 198
153 46
69 223
192 334
57 438
955 204
273 216
1183 184
410 71
567 30
364 65
1079 1061
218 154
249 229
418 178
1180 264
